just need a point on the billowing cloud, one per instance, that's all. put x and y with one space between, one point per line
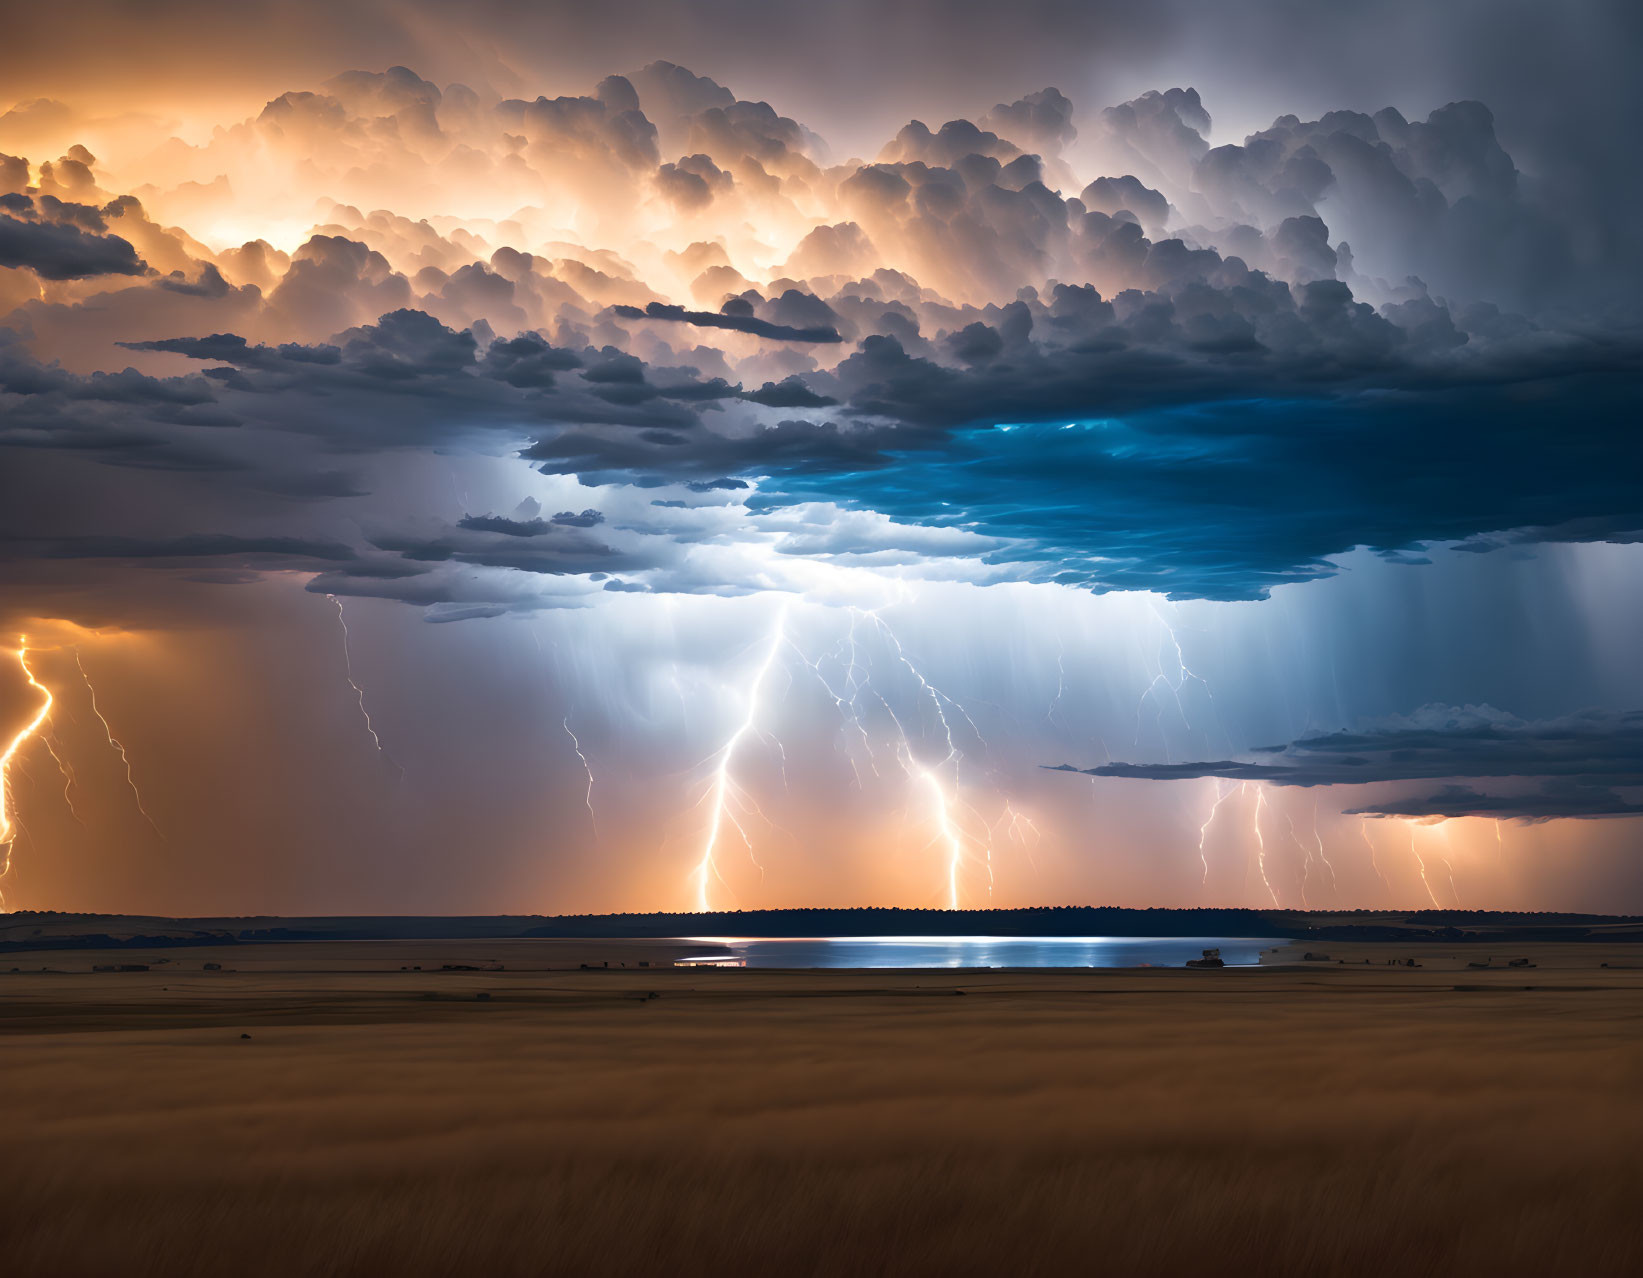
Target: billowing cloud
62 250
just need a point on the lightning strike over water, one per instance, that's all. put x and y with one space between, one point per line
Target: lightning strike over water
114 742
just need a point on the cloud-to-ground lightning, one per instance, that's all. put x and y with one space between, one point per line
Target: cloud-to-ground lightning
1363 829
587 797
723 792
1260 841
348 669
949 832
1221 796
114 742
8 821
953 832
1421 861
66 770
1318 848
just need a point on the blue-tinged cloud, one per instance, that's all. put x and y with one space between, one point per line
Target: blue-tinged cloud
1227 500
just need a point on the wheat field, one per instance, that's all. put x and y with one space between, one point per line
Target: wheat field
379 1121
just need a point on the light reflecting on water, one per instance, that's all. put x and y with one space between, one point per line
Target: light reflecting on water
989 951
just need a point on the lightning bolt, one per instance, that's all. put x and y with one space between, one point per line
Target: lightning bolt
1017 829
723 790
1184 675
961 831
348 668
65 770
1060 680
847 706
587 768
1446 831
1363 829
1318 843
1221 796
114 742
1306 855
949 832
1260 842
1421 861
8 822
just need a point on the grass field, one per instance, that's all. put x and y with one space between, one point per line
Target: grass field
1349 1120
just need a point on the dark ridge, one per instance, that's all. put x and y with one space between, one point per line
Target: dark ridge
46 930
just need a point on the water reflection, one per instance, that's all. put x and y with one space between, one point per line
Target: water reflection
987 951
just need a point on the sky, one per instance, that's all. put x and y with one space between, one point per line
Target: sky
560 458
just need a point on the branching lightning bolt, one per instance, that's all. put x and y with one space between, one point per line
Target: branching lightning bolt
67 772
348 668
8 822
1260 842
114 742
1363 829
949 832
1186 675
1221 796
1318 845
724 792
1421 861
587 768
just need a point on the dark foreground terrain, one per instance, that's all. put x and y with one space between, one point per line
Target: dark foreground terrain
1297 1119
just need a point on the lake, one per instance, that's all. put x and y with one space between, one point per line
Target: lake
984 951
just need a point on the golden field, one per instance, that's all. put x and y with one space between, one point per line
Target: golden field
1343 1119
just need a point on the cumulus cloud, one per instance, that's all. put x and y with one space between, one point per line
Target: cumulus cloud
64 251
1181 378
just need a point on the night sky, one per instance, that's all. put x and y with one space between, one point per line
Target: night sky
921 454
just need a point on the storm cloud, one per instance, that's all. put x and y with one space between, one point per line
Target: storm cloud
1071 381
1578 762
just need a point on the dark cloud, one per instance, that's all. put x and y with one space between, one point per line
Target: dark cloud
193 546
63 251
1551 803
736 323
1579 761
1196 420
